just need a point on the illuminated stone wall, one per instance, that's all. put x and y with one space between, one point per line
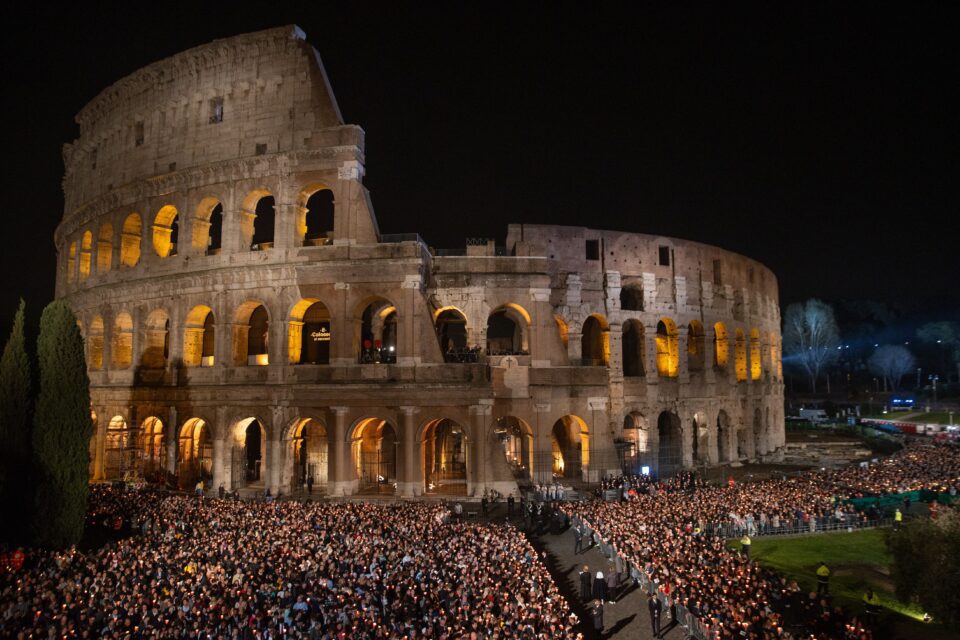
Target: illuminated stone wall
224 260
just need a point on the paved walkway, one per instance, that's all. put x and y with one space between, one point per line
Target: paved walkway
626 619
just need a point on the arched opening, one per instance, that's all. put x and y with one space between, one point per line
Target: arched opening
506 331
121 342
695 347
595 342
670 450
153 450
723 437
72 263
631 298
105 248
316 213
310 449
375 456
95 344
119 453
634 352
740 355
755 367
699 434
208 227
86 245
199 337
251 335
516 438
721 346
452 336
308 340
130 240
444 458
248 452
570 446
156 348
378 333
668 349
636 444
263 224
166 231
195 459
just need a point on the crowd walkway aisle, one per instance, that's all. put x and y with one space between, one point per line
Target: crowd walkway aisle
627 619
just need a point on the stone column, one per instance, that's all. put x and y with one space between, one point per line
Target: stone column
285 233
541 470
342 352
100 439
479 477
411 483
541 328
218 478
340 479
173 441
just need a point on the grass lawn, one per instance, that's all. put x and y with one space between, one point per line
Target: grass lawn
856 560
935 417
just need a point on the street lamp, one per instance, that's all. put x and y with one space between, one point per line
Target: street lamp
933 380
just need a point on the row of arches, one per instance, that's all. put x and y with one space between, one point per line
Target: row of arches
669 445
374 326
169 234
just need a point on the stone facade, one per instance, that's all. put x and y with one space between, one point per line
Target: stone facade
246 322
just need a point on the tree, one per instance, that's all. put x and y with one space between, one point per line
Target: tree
892 362
810 338
15 403
946 334
62 430
926 565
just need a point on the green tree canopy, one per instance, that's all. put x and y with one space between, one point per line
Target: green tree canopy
926 566
62 430
15 405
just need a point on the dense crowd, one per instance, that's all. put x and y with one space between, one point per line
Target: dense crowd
230 569
666 530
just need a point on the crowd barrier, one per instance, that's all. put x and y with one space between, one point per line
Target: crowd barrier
795 528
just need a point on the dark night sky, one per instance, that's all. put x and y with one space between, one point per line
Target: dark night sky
823 142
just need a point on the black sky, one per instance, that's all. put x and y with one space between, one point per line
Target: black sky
821 140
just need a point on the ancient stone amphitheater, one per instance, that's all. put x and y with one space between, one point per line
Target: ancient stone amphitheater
246 323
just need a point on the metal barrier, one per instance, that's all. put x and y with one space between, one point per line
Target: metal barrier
794 528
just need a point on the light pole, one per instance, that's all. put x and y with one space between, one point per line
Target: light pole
933 380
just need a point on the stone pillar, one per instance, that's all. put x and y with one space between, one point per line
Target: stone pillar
173 441
408 319
340 478
100 440
218 478
683 365
479 477
542 470
285 233
543 326
342 352
411 480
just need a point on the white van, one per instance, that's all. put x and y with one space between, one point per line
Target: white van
815 416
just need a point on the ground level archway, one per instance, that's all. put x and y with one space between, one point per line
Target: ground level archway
374 451
445 457
570 446
195 455
670 444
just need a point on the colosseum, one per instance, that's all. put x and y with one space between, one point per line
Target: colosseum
247 324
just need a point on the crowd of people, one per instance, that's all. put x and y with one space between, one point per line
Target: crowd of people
200 567
674 532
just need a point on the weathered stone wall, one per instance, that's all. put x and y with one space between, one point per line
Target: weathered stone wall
191 341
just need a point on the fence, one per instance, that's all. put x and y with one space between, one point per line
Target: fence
795 527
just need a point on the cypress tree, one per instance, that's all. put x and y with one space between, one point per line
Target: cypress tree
15 405
62 431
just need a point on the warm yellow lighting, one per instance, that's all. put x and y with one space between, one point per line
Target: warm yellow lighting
206 361
130 240
260 360
721 346
668 349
